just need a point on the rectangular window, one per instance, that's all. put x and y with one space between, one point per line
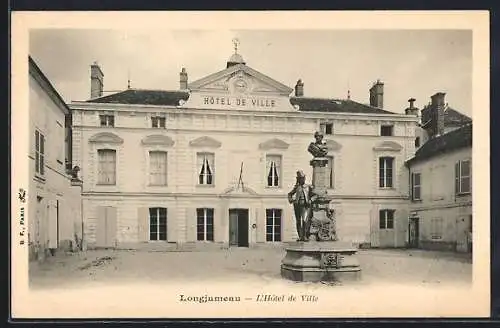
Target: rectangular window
206 168
39 153
462 177
416 186
273 225
106 167
330 172
386 219
436 228
158 122
158 223
205 224
326 128
386 130
158 168
273 170
107 120
417 142
385 172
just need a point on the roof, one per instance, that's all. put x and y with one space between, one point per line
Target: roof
144 97
451 141
171 98
334 105
35 70
452 117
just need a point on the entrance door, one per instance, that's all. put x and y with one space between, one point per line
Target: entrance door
413 233
464 234
106 227
238 227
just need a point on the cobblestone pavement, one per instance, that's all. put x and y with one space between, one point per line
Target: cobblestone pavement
239 265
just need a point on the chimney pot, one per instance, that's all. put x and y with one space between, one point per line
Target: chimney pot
377 94
96 81
183 79
299 88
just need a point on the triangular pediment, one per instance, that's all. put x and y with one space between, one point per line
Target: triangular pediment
240 79
205 141
388 146
106 137
274 143
333 145
239 190
158 140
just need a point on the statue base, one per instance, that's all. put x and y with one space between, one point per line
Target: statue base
321 261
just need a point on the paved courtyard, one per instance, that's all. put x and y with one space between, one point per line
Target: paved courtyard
238 264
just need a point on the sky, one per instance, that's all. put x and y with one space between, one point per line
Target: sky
411 63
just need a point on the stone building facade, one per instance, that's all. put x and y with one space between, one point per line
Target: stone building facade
210 164
441 180
54 198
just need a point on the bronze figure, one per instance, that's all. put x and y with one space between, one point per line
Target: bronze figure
302 196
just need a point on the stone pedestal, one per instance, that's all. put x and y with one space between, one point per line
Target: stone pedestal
321 261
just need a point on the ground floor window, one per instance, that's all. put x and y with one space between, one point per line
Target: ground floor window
157 223
436 228
386 219
273 224
205 224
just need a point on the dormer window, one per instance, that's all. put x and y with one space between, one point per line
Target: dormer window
326 128
158 122
107 120
386 130
417 142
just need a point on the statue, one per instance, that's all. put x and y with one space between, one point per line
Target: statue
312 213
302 197
319 147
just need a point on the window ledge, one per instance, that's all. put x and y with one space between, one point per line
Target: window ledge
157 186
387 188
463 194
205 185
416 200
105 185
39 177
273 188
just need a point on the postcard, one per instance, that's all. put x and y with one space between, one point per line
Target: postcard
250 164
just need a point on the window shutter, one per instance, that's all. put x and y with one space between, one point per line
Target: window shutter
191 224
261 226
143 223
216 225
171 228
100 232
111 225
457 177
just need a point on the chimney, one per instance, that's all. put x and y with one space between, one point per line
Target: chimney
377 94
299 88
412 110
437 114
96 81
183 79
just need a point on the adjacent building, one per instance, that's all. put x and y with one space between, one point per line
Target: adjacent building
441 180
210 164
54 199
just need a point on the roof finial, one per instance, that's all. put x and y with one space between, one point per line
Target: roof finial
236 43
128 79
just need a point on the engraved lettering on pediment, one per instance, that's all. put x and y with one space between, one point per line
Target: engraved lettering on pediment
205 142
274 143
333 145
106 137
388 146
159 140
